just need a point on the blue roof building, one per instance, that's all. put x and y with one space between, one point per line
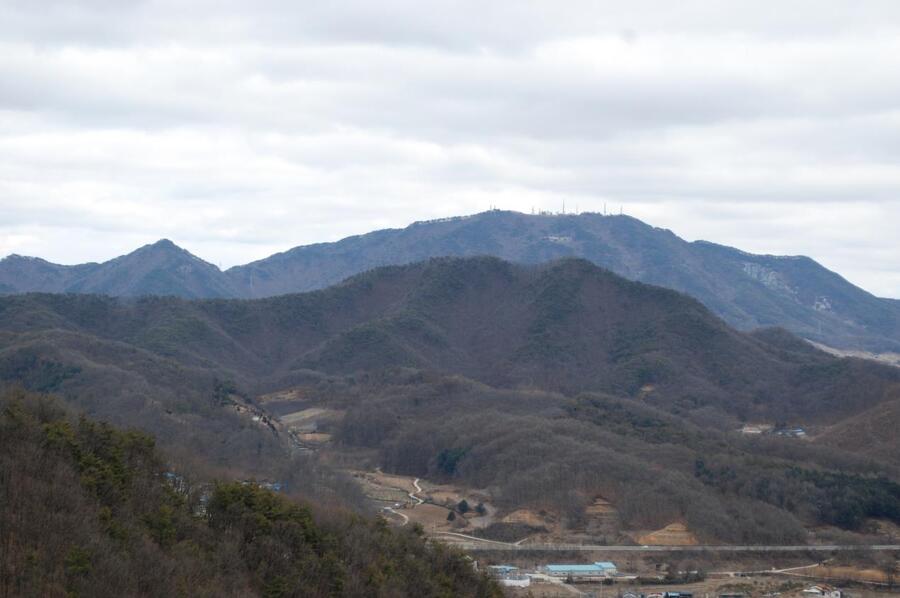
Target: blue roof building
598 569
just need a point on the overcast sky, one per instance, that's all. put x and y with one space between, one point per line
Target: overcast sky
238 129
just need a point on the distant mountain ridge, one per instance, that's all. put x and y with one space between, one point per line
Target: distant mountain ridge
161 268
747 290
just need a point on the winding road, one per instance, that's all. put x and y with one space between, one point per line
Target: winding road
399 514
418 500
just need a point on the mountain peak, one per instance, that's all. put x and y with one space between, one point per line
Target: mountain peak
168 250
164 245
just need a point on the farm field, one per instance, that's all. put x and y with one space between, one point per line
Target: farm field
428 504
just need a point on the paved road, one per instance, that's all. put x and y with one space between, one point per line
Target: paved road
472 543
399 514
418 500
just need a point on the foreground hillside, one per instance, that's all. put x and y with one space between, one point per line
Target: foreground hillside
747 290
85 510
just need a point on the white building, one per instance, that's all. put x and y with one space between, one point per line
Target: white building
822 591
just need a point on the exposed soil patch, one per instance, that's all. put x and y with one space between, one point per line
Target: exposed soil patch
674 534
315 438
848 573
527 517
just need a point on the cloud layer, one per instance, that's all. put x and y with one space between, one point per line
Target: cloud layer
239 129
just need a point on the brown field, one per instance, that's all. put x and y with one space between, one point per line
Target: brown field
847 572
887 528
527 517
430 516
297 417
315 438
674 534
376 490
601 506
441 495
383 487
291 394
403 483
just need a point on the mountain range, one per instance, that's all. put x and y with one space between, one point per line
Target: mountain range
747 290
550 383
566 326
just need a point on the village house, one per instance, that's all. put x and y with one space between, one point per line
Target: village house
822 591
507 575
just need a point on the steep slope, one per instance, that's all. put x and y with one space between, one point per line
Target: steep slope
89 510
747 290
162 268
872 433
567 326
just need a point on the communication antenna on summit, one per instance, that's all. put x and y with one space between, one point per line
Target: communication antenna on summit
604 208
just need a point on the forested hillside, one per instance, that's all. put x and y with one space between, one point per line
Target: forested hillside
86 510
567 326
872 433
547 451
490 374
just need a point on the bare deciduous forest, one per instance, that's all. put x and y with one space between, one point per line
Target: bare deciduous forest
87 510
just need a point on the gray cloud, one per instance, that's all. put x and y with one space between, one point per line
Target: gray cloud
239 130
